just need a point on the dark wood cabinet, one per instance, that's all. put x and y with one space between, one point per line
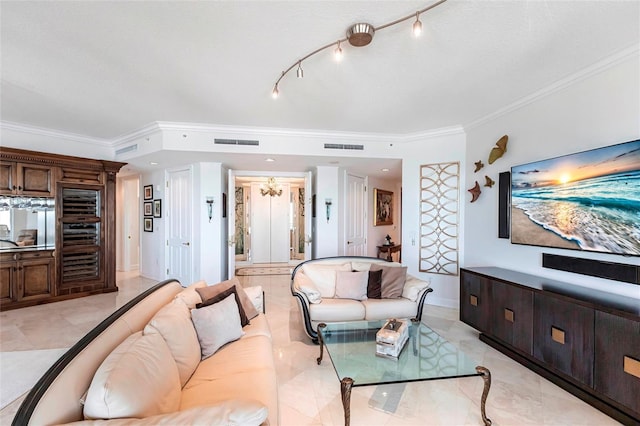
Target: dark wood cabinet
617 359
563 337
474 300
27 179
27 276
512 315
83 259
584 340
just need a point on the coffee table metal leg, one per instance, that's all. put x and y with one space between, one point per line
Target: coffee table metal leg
345 390
486 376
321 327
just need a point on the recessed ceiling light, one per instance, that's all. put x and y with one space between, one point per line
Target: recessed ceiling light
269 160
385 170
153 163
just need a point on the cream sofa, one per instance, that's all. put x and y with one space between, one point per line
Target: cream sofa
313 285
236 385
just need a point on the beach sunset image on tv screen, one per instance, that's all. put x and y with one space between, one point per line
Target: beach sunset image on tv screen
585 201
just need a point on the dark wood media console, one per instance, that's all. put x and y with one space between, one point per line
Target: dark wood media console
583 340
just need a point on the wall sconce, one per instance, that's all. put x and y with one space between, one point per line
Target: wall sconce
209 201
327 203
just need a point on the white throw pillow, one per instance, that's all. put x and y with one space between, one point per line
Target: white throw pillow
324 276
139 378
352 285
217 325
173 322
304 284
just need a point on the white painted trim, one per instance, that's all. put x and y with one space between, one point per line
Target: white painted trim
41 131
603 65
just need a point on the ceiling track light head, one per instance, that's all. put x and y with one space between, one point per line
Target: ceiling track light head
338 52
417 26
300 71
360 34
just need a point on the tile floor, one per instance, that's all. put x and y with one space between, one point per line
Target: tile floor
310 394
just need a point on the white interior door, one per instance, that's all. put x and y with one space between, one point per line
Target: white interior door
280 224
308 223
356 216
179 223
270 226
231 225
130 224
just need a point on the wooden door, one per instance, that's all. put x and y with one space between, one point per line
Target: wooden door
7 280
474 300
36 278
8 183
36 180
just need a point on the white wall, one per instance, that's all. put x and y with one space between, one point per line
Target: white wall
601 110
445 148
152 244
327 187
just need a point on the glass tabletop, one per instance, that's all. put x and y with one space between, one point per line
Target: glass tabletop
425 356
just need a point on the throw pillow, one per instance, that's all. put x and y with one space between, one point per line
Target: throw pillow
139 378
212 290
393 278
323 276
173 323
189 295
351 285
217 325
223 295
374 285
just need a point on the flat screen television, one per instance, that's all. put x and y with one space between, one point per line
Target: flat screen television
585 201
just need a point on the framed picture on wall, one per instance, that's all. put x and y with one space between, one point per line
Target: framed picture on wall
157 208
383 207
148 224
148 208
148 192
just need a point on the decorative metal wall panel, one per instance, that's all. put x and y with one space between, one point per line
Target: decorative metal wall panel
439 189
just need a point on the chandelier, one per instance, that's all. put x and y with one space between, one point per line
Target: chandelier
272 188
358 35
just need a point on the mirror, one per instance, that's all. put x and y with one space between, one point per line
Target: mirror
27 222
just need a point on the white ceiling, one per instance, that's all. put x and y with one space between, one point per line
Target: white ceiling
104 69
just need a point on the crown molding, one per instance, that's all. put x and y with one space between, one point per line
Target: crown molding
41 131
432 134
601 66
136 134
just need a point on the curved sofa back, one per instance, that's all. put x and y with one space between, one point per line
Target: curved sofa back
338 260
56 397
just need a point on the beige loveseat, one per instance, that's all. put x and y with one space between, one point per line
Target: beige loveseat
146 357
330 290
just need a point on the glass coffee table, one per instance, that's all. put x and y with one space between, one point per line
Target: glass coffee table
425 356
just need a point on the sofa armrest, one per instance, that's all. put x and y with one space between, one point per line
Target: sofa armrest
304 285
304 303
413 287
256 295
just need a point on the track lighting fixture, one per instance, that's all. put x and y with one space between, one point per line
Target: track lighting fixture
417 26
358 35
338 52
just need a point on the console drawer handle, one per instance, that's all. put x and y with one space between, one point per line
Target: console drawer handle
557 335
473 300
508 315
632 366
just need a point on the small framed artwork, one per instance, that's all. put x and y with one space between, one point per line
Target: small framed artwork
383 206
157 208
148 192
148 208
148 224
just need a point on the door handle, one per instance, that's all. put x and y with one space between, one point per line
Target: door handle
349 242
231 242
186 244
129 237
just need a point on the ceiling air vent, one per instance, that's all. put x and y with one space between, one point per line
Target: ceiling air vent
126 149
236 142
343 146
